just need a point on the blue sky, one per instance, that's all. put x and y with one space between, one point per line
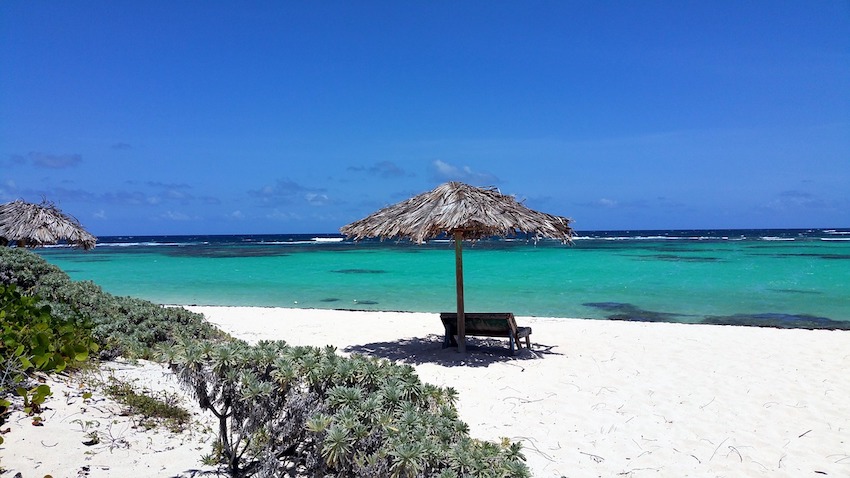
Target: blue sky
220 117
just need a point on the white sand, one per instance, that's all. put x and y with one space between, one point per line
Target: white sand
593 398
123 449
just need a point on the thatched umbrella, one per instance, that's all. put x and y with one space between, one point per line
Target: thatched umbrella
35 225
464 212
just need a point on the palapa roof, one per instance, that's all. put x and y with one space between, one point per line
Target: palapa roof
457 207
39 224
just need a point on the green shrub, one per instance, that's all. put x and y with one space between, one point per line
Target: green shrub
124 326
309 412
37 340
31 339
24 268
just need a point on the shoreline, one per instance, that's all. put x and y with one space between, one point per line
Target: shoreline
592 398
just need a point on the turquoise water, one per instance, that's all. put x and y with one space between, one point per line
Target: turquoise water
755 277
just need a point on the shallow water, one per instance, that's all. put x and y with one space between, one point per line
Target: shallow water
787 278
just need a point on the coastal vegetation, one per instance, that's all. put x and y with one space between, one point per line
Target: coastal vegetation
282 410
307 411
123 326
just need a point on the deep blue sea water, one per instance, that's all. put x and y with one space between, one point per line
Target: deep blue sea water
755 277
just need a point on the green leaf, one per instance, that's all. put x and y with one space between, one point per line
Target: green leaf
25 363
40 360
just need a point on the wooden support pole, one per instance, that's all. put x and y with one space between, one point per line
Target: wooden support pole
461 320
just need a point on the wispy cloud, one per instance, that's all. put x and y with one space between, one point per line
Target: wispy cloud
132 198
443 171
175 216
281 191
8 190
602 203
316 199
278 215
150 193
381 169
796 199
133 193
286 191
172 192
632 204
155 193
47 160
121 146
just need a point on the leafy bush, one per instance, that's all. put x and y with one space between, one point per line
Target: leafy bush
124 326
310 412
35 338
24 269
32 339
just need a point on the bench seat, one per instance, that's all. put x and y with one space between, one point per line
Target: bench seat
486 324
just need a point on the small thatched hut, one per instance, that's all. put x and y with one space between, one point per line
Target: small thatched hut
32 225
463 212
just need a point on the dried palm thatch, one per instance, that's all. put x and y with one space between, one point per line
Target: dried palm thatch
34 225
464 212
459 208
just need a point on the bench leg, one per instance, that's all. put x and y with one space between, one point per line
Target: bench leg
528 342
449 340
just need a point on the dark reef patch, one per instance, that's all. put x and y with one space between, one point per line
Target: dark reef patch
678 258
781 321
88 258
225 252
330 299
630 312
359 271
832 257
796 291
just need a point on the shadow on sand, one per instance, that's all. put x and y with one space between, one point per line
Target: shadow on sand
481 352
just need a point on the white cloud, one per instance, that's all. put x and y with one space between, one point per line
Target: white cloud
795 199
50 161
443 171
175 216
278 215
315 199
382 169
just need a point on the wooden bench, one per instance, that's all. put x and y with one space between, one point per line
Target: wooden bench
486 324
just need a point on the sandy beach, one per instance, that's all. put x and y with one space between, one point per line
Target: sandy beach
591 399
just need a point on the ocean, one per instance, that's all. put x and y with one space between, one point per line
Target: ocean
786 278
